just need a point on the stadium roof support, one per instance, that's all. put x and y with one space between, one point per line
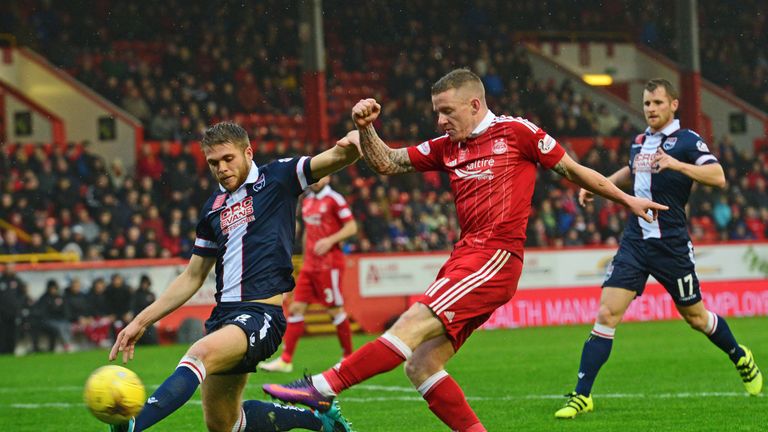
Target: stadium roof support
690 81
313 65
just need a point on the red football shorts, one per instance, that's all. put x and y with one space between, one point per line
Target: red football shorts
319 287
469 287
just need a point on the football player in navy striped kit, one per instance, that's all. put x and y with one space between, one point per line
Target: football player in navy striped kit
664 162
246 231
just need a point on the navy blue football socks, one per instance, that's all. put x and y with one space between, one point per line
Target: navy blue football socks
720 334
268 416
595 353
174 392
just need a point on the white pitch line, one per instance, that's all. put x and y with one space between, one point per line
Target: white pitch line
353 399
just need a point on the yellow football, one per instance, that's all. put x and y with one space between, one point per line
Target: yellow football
114 394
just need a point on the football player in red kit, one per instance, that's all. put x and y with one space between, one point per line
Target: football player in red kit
491 161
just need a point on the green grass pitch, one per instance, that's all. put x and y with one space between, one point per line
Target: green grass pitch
662 376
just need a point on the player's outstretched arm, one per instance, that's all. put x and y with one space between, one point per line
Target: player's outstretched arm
178 292
621 178
377 154
345 152
597 183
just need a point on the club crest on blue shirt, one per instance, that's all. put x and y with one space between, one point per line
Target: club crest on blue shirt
702 146
219 201
669 143
259 185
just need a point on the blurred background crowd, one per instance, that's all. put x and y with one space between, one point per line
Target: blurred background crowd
180 67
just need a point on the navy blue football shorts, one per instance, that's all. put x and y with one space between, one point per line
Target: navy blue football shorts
670 261
263 324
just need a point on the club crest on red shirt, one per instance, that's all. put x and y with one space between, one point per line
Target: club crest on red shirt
499 146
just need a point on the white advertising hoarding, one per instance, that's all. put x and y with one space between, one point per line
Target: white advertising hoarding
392 275
160 275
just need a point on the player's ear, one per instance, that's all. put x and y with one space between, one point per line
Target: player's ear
674 104
475 104
249 153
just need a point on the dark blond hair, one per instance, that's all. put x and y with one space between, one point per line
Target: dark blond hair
655 83
457 79
225 132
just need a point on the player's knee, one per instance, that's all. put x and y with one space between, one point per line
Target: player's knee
219 424
198 350
297 308
415 370
335 311
606 316
220 420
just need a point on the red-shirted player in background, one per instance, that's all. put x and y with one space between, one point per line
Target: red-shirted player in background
491 161
327 222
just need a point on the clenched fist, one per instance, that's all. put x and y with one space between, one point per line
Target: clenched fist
365 112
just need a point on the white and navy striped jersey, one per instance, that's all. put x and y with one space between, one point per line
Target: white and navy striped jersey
667 187
251 231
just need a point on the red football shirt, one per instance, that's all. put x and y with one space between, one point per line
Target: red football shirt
492 177
324 213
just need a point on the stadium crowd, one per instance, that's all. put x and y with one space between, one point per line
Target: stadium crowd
69 199
70 318
177 77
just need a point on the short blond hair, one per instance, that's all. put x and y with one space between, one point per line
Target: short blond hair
457 79
225 132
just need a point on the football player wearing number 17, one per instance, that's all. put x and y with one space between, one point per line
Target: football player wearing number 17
491 161
664 162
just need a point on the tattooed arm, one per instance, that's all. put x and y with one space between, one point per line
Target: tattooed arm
621 178
595 182
380 157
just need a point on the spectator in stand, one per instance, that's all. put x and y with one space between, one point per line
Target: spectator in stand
154 222
180 179
375 226
90 229
10 287
11 244
173 241
136 105
36 244
149 165
117 173
77 304
163 125
100 315
754 224
51 318
722 213
118 297
248 95
143 297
